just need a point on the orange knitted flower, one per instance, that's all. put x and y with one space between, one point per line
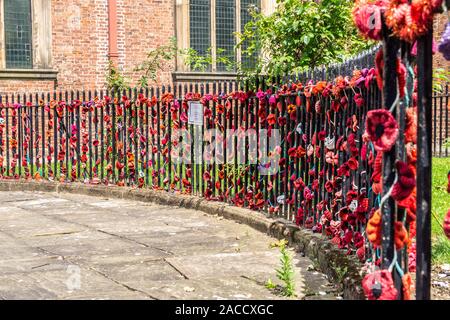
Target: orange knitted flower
373 229
401 237
410 21
407 286
411 126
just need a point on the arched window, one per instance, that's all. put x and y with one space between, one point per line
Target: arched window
18 34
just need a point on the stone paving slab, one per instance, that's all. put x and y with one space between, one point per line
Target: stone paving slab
119 249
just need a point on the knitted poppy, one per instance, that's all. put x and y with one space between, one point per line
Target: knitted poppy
271 119
411 126
406 181
411 153
352 164
292 152
373 229
400 235
359 100
382 129
410 204
361 254
379 285
332 158
340 143
407 286
329 186
379 70
410 21
367 17
344 170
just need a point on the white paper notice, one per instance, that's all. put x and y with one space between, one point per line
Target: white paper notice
195 113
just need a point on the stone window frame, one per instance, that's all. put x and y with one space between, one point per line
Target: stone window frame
182 32
41 20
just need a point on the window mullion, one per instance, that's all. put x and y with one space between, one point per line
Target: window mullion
213 36
238 29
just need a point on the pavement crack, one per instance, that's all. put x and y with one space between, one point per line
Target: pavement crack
56 234
122 284
135 241
176 269
122 237
164 250
43 265
18 200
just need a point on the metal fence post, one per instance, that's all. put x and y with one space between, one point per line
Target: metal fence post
391 46
424 134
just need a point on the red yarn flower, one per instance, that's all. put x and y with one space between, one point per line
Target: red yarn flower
379 286
382 129
367 17
406 181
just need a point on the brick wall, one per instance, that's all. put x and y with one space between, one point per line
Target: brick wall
439 25
143 25
80 42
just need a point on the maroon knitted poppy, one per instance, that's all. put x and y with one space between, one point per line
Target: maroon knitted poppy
382 129
406 181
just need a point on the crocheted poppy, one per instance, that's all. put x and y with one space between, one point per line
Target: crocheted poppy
401 238
367 17
411 126
410 21
407 286
373 229
382 129
379 286
406 181
444 45
344 170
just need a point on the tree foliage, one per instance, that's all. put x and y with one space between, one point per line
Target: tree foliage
300 34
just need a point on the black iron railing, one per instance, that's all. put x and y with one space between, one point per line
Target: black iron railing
441 122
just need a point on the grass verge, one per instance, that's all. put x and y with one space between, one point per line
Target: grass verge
441 204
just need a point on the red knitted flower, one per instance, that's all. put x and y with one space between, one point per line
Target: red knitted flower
379 286
406 181
382 129
367 17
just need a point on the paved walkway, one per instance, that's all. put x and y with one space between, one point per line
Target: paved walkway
64 246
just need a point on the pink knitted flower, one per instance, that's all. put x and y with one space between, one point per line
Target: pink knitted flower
367 17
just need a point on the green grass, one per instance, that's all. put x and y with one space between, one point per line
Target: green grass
441 204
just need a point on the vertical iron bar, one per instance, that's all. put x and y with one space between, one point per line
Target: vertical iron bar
424 166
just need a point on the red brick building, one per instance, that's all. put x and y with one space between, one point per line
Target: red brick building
65 44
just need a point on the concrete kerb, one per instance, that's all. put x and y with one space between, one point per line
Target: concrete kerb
341 269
